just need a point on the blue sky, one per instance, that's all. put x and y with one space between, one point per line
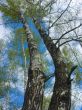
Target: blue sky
15 92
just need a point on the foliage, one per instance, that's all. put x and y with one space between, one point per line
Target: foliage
36 11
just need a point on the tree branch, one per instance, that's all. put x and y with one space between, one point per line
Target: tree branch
60 15
69 38
78 40
50 3
72 70
68 32
75 55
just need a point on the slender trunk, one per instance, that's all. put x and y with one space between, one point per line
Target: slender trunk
25 65
34 90
61 98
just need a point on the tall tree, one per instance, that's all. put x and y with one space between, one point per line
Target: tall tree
34 89
61 98
61 93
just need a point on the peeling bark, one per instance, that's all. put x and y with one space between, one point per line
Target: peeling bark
34 90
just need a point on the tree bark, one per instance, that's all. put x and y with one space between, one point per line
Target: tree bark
61 98
34 90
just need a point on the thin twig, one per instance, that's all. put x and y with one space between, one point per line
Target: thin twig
60 15
68 32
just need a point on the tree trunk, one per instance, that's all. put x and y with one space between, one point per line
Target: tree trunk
25 64
61 98
34 90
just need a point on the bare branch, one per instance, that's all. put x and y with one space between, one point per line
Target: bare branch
60 15
68 32
69 38
70 20
75 55
72 70
78 40
78 37
50 3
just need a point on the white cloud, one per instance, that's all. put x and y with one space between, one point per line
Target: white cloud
4 31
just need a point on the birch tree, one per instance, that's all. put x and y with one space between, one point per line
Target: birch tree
34 89
38 11
61 98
